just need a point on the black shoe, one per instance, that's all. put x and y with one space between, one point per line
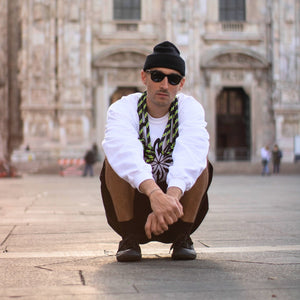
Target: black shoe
129 250
183 249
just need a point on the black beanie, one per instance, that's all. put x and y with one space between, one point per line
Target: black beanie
165 55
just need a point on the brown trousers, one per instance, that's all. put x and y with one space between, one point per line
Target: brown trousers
137 205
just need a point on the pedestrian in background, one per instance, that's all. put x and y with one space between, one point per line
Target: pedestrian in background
265 159
276 157
89 159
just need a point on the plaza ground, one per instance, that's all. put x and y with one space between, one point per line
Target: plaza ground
55 243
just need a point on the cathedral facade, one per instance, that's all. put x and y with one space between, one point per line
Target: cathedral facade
63 62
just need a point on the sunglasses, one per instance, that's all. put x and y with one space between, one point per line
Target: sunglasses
158 76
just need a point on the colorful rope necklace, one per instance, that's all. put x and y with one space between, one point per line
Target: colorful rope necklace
170 133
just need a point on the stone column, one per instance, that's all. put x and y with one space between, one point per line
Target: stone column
13 104
3 81
74 70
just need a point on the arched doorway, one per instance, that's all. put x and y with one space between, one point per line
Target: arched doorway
233 125
122 91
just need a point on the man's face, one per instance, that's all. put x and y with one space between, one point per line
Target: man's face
160 94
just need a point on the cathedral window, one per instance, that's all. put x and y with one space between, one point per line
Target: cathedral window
127 9
232 10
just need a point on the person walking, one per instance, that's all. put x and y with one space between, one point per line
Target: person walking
276 158
89 159
265 158
155 175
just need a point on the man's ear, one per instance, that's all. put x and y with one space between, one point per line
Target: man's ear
143 76
181 83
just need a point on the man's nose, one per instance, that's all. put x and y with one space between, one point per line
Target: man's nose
164 83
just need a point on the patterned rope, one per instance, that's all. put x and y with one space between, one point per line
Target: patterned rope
170 133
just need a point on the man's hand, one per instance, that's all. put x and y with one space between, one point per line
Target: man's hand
152 226
166 207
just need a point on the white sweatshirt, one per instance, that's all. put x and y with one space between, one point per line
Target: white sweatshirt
124 151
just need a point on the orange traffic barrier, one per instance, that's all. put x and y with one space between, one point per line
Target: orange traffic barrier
70 166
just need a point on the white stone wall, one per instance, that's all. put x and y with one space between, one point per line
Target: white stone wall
75 57
55 65
250 37
286 73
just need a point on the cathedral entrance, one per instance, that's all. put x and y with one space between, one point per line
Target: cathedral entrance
122 91
233 125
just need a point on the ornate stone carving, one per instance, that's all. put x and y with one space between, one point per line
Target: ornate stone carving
39 59
125 75
73 13
118 60
290 128
234 61
41 12
37 124
233 75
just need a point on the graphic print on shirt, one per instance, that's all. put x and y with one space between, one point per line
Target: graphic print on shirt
159 156
161 163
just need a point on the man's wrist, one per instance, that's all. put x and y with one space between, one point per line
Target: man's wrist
148 186
153 191
175 191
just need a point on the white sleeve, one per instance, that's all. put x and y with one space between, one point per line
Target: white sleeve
192 144
121 145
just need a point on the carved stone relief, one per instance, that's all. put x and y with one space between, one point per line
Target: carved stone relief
118 76
74 129
71 95
260 76
232 75
36 57
234 68
39 96
290 96
71 58
234 61
73 13
40 65
121 60
73 55
290 128
41 11
75 125
38 125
